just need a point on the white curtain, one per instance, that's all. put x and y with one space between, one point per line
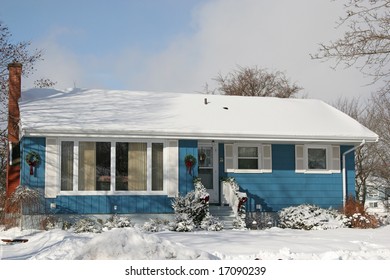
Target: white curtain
87 166
137 167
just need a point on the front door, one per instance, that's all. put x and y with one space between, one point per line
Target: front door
208 169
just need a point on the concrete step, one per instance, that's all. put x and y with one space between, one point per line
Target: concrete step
224 213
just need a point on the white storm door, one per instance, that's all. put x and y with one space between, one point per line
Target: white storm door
208 169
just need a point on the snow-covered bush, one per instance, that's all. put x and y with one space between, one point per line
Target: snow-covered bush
239 223
26 199
358 216
49 222
118 222
155 225
193 207
87 225
182 223
261 220
211 223
310 217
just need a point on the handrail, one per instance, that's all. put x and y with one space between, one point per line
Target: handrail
233 196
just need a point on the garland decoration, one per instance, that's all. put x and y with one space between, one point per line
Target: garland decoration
190 162
32 159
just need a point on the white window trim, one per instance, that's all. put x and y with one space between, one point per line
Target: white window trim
112 190
331 158
260 159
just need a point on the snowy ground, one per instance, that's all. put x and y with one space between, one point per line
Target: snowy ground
134 244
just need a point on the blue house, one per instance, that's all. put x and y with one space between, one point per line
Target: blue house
114 151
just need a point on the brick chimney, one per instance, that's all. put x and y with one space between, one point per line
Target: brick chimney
13 162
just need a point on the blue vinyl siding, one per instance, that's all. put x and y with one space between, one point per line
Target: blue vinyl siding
284 187
185 179
273 191
100 204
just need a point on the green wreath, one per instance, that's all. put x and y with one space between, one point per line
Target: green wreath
32 159
190 162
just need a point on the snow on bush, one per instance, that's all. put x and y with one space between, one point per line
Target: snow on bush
49 222
261 220
87 225
358 216
191 209
311 217
384 219
118 222
155 225
211 223
239 223
182 223
97 226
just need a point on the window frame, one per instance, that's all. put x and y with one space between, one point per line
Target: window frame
260 158
112 190
333 160
327 158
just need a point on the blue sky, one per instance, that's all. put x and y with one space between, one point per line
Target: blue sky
180 45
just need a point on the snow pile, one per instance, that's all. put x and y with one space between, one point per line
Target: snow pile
310 217
132 244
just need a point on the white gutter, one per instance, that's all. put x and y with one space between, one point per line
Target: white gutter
345 171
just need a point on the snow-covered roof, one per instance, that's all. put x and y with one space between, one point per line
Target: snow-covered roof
119 113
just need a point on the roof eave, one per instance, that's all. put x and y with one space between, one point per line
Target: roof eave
199 136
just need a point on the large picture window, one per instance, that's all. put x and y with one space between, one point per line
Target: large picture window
88 166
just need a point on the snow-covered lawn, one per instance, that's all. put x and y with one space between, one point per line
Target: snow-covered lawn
135 244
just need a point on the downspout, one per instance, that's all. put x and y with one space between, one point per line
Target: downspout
345 170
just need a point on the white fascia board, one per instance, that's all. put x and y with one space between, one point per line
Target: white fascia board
198 136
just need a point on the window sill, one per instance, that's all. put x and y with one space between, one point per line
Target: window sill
113 193
318 171
253 171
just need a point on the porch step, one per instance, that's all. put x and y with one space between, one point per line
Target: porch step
224 213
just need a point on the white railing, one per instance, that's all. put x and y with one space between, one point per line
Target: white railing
232 195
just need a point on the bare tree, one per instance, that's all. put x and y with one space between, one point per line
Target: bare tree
372 159
366 43
380 115
44 83
254 81
365 163
13 52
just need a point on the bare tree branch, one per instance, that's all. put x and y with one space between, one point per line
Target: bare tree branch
254 81
366 44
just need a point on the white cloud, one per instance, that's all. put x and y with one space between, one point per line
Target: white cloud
278 35
59 64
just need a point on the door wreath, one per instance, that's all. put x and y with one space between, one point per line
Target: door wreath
32 159
190 162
